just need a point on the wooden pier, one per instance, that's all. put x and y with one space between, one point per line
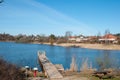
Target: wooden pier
48 68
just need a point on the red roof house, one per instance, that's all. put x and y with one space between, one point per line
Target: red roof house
108 37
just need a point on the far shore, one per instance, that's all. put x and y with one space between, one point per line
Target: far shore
82 45
89 46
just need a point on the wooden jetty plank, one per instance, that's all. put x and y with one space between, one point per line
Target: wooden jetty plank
49 69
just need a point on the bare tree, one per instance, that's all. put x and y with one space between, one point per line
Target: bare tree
1 1
106 36
107 31
68 34
98 36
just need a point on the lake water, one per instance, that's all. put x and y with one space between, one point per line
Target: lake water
26 54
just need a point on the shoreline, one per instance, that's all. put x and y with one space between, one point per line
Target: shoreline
88 46
82 45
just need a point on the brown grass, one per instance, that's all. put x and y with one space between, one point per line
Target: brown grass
73 65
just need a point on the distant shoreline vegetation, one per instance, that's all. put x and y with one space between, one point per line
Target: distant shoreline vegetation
68 38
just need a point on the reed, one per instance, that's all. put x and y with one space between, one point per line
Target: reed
84 65
73 65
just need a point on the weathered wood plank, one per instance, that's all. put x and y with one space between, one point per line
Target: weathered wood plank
49 69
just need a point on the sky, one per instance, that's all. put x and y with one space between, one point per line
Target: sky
87 17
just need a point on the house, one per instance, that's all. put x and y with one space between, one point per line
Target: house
72 38
108 38
81 39
77 39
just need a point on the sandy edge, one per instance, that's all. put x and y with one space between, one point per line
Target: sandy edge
89 46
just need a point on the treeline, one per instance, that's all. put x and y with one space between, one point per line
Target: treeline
6 37
32 38
21 38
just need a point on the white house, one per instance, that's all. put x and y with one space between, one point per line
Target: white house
77 39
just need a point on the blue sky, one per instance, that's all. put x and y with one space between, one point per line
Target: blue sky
87 17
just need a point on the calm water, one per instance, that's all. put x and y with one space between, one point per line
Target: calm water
26 54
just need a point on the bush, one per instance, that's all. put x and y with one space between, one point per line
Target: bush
9 71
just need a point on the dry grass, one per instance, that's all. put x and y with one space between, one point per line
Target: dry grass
73 65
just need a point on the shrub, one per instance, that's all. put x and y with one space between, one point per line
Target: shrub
9 71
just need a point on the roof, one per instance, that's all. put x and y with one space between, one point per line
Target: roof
109 36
